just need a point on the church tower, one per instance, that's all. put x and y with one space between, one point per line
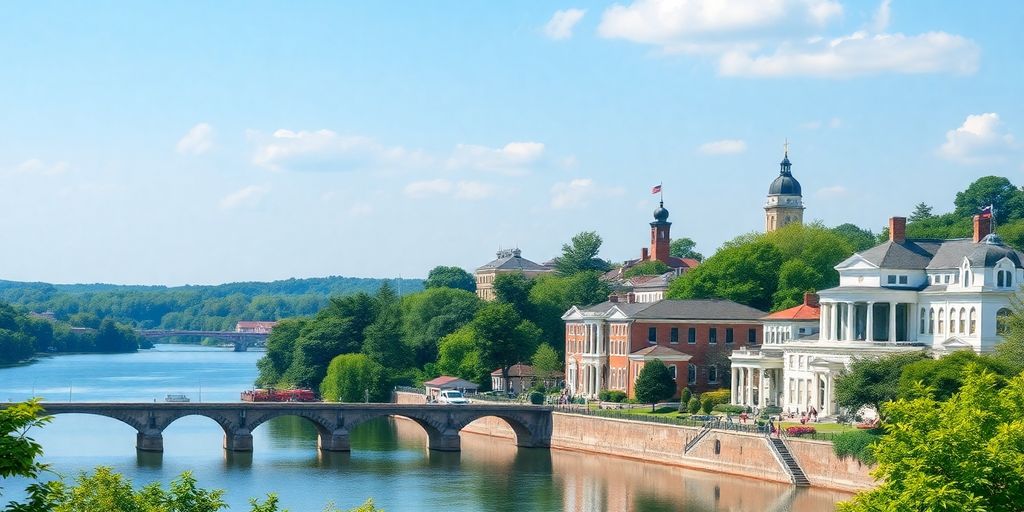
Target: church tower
661 240
785 203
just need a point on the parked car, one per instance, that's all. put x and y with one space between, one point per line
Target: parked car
450 396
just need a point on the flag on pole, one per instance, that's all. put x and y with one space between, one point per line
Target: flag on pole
656 189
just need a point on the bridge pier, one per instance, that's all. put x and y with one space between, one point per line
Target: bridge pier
238 441
336 441
241 346
149 441
448 441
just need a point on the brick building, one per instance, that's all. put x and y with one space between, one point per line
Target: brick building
606 345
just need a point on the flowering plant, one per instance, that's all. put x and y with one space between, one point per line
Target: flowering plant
799 430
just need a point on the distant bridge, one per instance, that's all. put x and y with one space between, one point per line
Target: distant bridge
241 340
333 421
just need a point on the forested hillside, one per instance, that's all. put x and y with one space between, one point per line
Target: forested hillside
189 307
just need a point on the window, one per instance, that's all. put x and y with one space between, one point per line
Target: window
942 317
1004 279
923 321
672 370
712 374
674 336
973 323
792 361
931 321
801 364
691 374
946 279
1003 321
903 279
713 335
952 320
891 279
752 336
963 320
691 335
728 334
652 334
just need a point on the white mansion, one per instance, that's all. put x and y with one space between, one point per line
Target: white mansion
902 295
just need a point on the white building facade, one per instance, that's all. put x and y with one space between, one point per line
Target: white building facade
903 295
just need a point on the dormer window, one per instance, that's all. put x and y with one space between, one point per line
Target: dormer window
1004 278
966 273
903 279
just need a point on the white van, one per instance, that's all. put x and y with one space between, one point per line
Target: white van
450 396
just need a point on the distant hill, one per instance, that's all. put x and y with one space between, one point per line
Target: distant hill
189 307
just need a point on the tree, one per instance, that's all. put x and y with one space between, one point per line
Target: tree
795 278
354 378
552 295
458 356
503 338
964 453
989 190
870 382
655 383
450 277
684 399
921 212
580 255
744 273
432 314
693 405
945 375
318 342
684 248
104 489
513 288
1010 352
545 362
280 349
859 239
383 339
21 454
647 268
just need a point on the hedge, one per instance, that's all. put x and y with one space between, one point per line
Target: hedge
612 396
731 409
855 443
721 396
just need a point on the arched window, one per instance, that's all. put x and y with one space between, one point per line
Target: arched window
1003 321
973 321
691 374
924 320
963 321
952 320
931 321
999 278
942 318
1004 279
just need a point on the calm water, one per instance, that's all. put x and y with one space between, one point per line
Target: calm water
388 462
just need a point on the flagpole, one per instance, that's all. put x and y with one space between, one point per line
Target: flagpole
661 193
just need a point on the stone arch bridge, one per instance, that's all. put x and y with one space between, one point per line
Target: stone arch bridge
333 421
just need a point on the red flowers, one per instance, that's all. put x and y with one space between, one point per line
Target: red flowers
799 431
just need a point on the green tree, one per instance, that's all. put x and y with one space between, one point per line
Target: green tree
513 288
503 338
580 255
989 190
921 212
945 226
319 341
383 339
859 239
450 277
684 248
647 268
432 314
795 278
707 405
684 399
280 349
693 405
745 273
655 383
873 381
354 378
551 296
458 356
1010 352
546 362
105 490
945 375
964 453
20 454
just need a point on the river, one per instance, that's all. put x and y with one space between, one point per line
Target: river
388 462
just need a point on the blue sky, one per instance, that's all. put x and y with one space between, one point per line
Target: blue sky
198 142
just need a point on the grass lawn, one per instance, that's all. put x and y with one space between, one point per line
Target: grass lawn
821 427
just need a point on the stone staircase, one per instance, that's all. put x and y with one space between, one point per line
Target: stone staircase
797 474
700 435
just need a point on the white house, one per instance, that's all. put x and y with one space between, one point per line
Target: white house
902 295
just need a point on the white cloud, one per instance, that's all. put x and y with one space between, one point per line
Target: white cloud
514 157
561 24
723 147
665 22
38 167
467 190
197 141
882 16
830 192
833 123
328 151
580 192
981 138
245 196
859 54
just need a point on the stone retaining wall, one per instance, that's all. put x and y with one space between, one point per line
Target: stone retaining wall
824 469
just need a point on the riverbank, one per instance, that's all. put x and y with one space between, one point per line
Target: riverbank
735 453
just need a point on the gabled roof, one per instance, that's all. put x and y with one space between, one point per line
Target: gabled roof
921 254
660 352
513 260
910 254
446 381
694 309
796 313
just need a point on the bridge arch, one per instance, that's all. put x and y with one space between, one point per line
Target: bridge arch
525 436
128 419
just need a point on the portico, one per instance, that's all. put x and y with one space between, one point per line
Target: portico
756 377
869 319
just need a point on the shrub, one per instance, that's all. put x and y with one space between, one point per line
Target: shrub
694 405
536 398
773 410
720 396
603 396
731 409
616 396
857 444
684 399
797 431
707 405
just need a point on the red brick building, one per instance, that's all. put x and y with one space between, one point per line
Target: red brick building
607 344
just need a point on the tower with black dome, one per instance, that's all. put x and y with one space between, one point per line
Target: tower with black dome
661 240
785 203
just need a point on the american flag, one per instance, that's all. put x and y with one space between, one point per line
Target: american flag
986 212
656 189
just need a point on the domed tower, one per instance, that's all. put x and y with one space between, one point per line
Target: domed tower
660 238
785 203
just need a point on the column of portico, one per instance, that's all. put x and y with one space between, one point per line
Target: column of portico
870 334
833 320
892 321
851 319
750 386
600 339
734 385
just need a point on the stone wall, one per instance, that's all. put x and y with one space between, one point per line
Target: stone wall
824 469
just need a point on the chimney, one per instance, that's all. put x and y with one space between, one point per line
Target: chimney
898 229
811 299
982 227
613 297
643 254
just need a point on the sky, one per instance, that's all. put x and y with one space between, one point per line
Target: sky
209 142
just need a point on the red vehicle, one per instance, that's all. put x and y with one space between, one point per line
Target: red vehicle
279 395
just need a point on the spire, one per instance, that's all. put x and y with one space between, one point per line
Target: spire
784 166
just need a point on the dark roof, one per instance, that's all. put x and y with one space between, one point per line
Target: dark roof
909 254
694 309
656 351
785 184
512 260
917 254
